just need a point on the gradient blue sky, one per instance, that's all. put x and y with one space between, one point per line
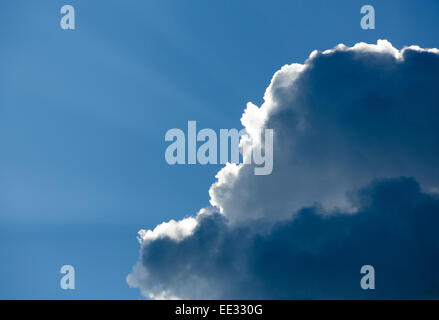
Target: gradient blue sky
83 116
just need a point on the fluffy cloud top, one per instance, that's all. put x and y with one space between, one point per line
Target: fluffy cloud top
345 117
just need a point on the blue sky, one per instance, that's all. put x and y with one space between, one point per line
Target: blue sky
83 116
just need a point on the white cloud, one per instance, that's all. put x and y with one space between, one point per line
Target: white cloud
315 158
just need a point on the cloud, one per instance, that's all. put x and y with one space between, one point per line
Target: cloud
311 256
344 118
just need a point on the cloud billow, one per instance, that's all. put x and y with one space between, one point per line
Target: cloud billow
348 124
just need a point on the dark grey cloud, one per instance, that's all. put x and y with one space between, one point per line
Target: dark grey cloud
346 117
313 256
